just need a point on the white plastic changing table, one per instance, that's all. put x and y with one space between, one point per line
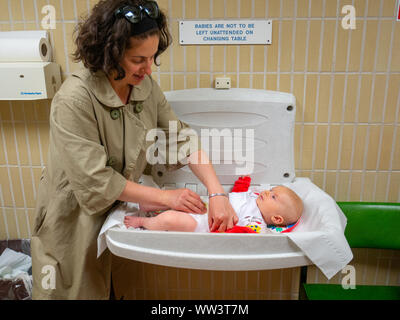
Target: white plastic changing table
207 251
271 115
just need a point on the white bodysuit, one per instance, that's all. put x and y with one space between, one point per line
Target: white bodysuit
245 206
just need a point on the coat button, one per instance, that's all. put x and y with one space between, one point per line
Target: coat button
115 114
139 107
111 161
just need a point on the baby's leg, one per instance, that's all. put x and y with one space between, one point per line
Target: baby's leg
166 221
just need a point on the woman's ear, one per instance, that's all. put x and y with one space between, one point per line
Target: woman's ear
277 219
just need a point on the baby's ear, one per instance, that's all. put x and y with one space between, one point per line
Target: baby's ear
277 220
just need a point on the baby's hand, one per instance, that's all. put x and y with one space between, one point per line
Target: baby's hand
132 221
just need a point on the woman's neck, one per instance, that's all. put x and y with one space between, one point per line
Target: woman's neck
122 89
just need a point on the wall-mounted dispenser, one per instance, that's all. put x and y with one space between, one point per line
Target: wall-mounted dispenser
29 80
26 70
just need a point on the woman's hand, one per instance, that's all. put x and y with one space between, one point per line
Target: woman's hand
184 200
221 215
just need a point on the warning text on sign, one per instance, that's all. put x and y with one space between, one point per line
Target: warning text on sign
225 32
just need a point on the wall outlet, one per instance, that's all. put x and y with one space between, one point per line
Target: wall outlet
223 83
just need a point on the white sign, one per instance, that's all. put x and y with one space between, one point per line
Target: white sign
235 32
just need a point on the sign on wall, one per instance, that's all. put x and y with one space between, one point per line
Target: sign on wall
234 32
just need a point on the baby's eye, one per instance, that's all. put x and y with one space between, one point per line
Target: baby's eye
273 197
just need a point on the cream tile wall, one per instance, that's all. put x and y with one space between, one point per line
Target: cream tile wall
347 135
371 267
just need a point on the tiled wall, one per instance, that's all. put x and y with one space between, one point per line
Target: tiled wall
371 267
347 136
149 281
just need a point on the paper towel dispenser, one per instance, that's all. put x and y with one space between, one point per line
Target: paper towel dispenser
29 80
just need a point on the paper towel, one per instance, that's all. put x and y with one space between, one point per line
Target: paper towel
25 46
25 34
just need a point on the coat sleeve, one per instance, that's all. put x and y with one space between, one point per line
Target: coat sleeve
187 139
78 151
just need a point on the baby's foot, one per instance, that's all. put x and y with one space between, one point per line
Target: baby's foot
132 221
145 208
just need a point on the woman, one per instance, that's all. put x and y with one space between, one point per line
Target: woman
98 124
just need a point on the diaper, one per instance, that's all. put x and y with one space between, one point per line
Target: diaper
202 222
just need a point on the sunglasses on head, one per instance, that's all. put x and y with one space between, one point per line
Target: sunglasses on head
136 13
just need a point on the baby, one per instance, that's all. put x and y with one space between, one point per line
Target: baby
275 210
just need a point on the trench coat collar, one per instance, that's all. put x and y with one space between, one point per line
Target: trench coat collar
101 87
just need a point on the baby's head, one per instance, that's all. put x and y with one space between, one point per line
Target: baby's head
280 206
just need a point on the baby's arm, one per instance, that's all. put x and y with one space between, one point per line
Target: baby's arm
170 220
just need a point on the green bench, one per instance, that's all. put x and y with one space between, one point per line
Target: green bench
369 225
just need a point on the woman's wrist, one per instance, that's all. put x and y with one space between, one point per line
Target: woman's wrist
215 187
218 194
164 197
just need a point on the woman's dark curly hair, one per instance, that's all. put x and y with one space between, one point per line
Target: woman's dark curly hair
102 38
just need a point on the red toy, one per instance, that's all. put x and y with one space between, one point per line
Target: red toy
242 184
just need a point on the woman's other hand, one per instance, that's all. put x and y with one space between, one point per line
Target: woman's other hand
184 200
221 215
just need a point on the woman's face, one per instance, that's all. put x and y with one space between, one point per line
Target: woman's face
137 60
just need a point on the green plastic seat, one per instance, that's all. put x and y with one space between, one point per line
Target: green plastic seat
369 225
361 292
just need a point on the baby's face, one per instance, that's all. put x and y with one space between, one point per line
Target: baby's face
274 202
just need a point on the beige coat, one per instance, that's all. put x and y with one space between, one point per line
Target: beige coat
96 143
